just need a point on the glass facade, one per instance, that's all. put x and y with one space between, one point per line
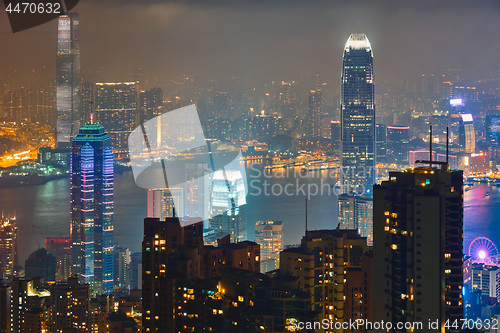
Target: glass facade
357 105
228 211
68 78
92 208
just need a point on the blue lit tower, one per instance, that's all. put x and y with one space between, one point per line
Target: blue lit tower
357 105
68 78
92 208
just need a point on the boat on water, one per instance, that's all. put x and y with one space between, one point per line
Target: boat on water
487 194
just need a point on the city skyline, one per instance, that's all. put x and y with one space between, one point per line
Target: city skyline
164 236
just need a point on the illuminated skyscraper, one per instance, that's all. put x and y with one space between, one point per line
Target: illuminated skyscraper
228 214
68 78
357 112
8 248
315 104
92 208
466 134
268 234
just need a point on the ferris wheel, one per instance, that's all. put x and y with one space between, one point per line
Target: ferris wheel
483 250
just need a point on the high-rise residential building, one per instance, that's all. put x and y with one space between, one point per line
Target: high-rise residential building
136 270
356 213
60 247
314 112
68 79
466 134
5 306
228 213
162 202
116 110
41 263
418 247
8 248
150 103
121 262
261 127
161 240
269 235
92 208
357 113
70 305
381 142
220 107
398 141
320 263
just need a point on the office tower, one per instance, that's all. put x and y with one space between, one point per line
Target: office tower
357 112
356 213
466 134
398 140
229 205
60 247
314 115
88 100
320 264
68 79
151 103
381 142
136 270
268 234
121 268
92 208
335 131
116 110
41 263
8 248
483 277
162 240
418 247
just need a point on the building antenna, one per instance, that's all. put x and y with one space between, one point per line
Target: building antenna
447 151
91 112
430 147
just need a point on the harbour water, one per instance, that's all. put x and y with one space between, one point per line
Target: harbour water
43 211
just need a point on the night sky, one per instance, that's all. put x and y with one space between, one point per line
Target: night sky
265 40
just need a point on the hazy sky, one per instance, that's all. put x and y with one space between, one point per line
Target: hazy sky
266 39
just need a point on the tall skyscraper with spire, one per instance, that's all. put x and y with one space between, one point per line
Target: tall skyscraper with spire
92 208
68 83
357 111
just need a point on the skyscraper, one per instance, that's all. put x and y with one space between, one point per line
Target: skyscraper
466 134
357 112
356 212
116 109
381 142
92 208
418 247
228 215
68 78
314 108
268 234
8 248
398 140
